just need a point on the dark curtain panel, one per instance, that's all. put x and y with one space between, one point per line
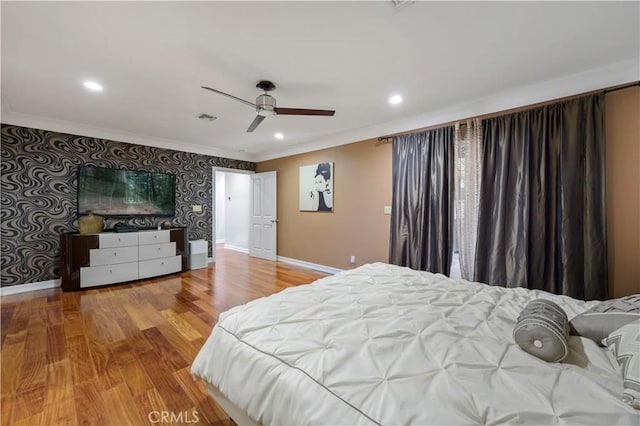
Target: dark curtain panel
422 204
541 221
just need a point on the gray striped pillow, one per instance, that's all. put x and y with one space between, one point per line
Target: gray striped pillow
542 330
606 317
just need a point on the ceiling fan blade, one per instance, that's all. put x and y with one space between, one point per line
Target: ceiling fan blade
255 123
251 104
303 111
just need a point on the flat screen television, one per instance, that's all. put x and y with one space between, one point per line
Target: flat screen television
116 192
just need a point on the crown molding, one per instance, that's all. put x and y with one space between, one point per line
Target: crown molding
594 79
36 122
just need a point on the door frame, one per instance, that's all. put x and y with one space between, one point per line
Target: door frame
215 169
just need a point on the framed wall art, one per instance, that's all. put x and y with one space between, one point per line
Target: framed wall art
316 187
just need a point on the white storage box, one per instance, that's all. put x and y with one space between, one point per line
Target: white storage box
199 251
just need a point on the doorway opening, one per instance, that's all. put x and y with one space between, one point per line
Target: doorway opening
231 201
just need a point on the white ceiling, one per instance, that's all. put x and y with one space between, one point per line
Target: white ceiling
448 60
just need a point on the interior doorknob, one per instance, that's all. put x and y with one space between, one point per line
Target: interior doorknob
274 221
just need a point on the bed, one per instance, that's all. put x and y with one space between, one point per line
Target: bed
382 344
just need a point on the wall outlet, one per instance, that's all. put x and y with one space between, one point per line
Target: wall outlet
352 260
387 209
197 208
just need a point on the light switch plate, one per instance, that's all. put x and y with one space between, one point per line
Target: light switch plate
387 209
197 208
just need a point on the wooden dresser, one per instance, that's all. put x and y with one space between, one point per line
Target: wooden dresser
89 260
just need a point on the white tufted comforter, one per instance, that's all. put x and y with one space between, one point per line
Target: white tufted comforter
381 344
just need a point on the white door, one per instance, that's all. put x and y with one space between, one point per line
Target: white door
214 220
264 222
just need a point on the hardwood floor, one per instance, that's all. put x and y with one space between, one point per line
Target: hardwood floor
121 355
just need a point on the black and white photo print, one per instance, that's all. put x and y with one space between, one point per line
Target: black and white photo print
316 187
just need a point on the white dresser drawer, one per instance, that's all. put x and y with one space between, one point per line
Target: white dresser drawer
156 251
112 256
115 239
153 237
155 267
109 274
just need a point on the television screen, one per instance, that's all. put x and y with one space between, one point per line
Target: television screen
115 192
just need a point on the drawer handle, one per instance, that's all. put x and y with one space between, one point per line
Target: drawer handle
115 253
162 263
159 248
155 236
110 271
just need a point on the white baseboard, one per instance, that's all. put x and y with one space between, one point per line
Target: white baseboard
315 266
23 288
220 241
236 248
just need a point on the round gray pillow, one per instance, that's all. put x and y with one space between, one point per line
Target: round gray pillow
542 330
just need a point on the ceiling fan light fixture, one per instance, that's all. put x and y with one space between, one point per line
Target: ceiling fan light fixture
265 112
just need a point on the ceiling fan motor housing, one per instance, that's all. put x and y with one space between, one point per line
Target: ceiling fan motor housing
265 105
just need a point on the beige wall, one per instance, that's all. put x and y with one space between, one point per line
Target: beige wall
363 187
357 226
622 109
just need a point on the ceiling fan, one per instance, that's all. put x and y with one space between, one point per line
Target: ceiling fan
266 105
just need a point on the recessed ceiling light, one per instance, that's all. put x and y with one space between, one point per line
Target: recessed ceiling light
395 99
92 85
278 136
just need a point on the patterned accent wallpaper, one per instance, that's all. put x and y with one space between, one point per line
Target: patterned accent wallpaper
39 193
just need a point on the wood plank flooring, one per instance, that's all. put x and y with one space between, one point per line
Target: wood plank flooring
121 355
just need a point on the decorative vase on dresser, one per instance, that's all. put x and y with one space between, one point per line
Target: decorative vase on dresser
90 224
